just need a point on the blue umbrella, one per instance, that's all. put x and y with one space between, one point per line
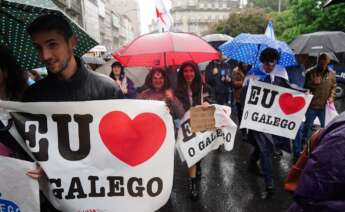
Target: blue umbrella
247 48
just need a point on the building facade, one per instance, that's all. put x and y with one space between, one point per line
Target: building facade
196 16
112 23
72 8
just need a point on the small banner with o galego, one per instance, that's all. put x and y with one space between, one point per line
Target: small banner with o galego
273 109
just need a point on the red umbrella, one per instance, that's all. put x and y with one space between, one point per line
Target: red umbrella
164 49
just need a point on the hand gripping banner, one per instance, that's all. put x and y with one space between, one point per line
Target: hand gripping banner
113 155
273 109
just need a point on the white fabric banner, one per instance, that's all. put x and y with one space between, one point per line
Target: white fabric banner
192 147
18 192
273 109
112 155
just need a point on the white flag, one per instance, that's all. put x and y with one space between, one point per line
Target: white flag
163 15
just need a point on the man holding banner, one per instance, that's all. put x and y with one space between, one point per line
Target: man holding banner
264 127
68 78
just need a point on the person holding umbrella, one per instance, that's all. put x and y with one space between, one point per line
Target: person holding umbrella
190 91
264 143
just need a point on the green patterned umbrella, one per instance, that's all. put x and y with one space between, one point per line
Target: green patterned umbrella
16 15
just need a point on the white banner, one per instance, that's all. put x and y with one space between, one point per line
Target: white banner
192 147
274 109
18 192
113 155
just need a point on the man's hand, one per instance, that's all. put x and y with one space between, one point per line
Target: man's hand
35 173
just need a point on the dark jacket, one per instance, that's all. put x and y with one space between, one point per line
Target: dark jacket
131 89
7 139
218 80
321 186
237 79
206 95
84 85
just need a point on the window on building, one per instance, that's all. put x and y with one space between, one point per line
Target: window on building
115 20
216 5
224 5
101 8
191 2
201 5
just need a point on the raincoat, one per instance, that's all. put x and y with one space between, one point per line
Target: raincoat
321 186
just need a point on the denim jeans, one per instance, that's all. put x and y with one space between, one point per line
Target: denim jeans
310 117
297 143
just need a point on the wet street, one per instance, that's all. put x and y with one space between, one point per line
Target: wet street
226 185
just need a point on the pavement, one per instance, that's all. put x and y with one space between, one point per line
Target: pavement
226 185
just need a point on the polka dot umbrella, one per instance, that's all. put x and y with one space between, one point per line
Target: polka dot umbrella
16 15
248 47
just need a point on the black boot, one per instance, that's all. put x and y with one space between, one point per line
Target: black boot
193 189
268 193
253 168
198 171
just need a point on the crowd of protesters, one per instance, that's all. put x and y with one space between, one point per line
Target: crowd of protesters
221 83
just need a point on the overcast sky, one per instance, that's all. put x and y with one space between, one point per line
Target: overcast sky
148 12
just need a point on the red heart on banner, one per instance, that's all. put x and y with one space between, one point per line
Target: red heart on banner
132 141
290 104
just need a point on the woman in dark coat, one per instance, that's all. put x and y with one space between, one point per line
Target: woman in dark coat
125 84
13 82
190 91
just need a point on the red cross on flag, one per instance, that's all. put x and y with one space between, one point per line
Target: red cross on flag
163 16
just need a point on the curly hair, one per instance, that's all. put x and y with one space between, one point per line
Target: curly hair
149 78
16 77
269 55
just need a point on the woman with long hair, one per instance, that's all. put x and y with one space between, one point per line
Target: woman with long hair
125 84
159 89
190 91
13 82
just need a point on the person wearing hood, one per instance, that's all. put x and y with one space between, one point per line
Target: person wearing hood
321 185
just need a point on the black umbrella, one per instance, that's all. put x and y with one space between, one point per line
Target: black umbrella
332 2
216 39
318 42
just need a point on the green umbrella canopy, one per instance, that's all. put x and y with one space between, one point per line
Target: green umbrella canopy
16 15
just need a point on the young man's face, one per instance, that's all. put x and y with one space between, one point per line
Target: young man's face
53 50
269 66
